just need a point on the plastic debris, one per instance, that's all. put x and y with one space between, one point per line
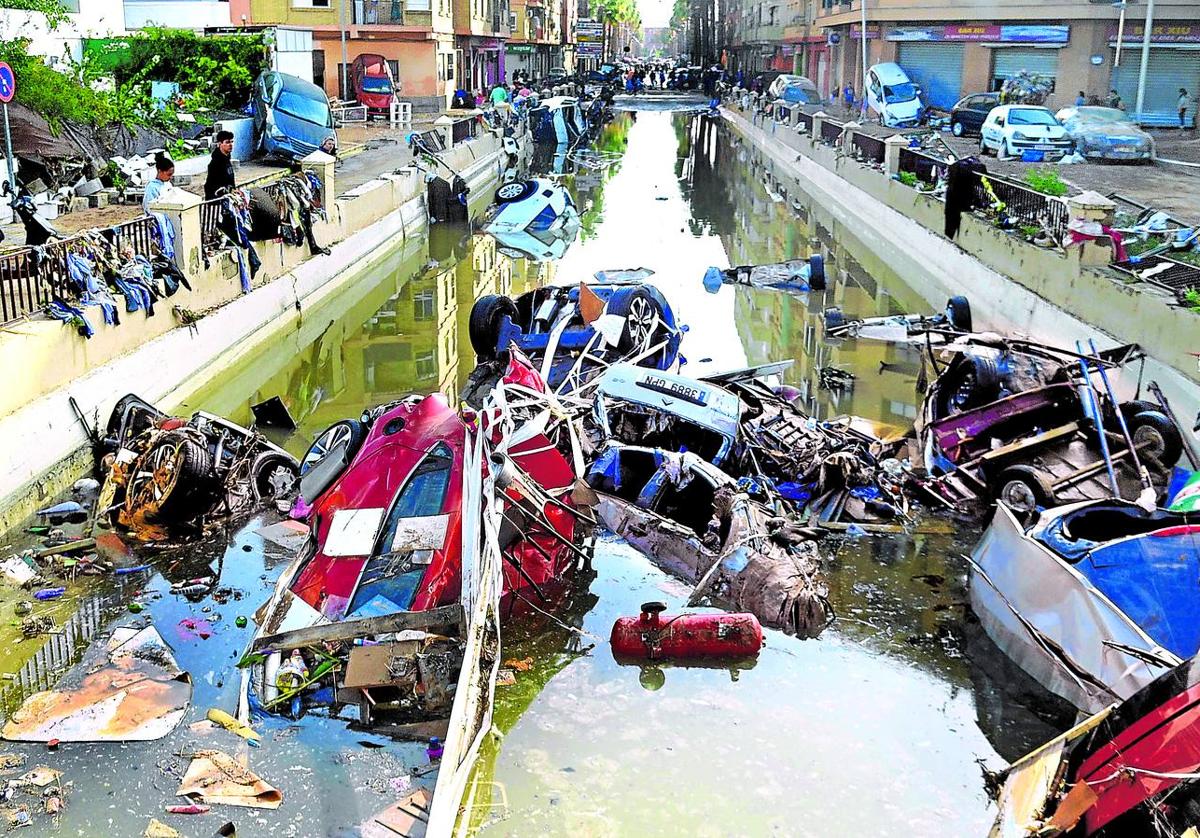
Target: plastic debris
158 829
228 722
189 809
49 593
435 749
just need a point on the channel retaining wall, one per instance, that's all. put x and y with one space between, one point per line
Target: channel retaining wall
44 445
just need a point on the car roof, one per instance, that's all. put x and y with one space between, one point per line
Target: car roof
720 411
295 84
1007 108
890 71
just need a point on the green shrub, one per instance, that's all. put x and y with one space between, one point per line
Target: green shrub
908 179
1046 181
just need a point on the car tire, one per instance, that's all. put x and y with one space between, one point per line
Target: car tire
176 475
975 381
515 191
484 325
1159 433
957 128
273 475
958 313
816 272
1023 489
639 308
349 432
983 149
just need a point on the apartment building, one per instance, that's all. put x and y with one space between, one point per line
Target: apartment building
955 47
536 45
432 46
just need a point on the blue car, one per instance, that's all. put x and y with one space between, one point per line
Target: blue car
619 318
292 117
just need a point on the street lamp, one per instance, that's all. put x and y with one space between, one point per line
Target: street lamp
1120 4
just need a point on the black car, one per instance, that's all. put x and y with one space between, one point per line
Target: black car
967 117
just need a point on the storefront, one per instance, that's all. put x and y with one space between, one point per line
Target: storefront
1011 61
1174 63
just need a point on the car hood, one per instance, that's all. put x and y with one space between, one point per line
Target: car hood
1040 132
301 132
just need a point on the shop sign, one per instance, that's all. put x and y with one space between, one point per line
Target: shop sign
1166 33
856 32
519 49
983 32
1035 34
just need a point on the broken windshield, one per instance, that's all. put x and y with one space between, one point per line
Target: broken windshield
900 92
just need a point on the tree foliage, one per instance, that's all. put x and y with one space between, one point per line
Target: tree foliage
55 12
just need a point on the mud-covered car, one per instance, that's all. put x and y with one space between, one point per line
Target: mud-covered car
165 475
1106 134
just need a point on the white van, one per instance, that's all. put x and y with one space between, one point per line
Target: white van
892 96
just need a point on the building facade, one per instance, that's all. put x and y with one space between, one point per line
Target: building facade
952 48
432 46
536 45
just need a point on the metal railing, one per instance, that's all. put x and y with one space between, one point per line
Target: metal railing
869 148
831 132
31 277
1027 206
210 217
464 129
63 649
926 167
1164 272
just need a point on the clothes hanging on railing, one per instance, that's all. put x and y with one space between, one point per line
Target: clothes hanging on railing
70 315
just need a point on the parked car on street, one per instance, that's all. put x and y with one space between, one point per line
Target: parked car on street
1011 130
968 115
292 117
1106 134
893 97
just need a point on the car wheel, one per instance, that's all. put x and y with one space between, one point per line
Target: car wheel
484 325
172 482
1023 489
518 190
1159 436
958 313
957 129
348 433
273 475
983 149
974 381
644 318
816 272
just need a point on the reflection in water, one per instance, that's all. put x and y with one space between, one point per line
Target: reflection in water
875 728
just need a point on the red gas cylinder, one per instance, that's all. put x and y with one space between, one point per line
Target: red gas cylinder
657 636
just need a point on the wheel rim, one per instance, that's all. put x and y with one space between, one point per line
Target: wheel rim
277 481
962 393
1018 496
326 442
150 485
957 129
509 191
640 320
1148 440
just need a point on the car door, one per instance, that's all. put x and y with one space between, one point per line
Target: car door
993 129
977 112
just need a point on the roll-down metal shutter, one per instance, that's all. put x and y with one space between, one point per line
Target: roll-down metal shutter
937 68
1168 70
1009 61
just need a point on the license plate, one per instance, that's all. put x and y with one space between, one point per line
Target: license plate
695 395
1126 149
1046 147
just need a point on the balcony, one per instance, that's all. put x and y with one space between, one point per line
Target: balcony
413 13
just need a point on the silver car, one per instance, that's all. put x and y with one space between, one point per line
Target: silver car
1106 134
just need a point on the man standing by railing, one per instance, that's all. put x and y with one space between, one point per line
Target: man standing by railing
220 178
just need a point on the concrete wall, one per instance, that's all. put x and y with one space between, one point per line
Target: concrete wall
1037 291
178 14
44 446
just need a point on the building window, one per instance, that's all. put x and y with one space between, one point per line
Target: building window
426 365
423 305
310 4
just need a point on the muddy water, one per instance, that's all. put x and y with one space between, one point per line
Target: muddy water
876 728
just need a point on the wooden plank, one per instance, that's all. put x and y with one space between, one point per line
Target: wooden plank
435 618
1030 442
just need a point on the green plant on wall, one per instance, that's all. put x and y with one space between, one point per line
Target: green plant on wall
1046 181
1191 299
908 179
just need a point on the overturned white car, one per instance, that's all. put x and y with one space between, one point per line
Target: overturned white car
537 205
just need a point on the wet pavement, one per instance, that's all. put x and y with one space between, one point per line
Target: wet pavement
876 728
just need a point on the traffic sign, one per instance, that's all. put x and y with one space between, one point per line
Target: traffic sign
8 83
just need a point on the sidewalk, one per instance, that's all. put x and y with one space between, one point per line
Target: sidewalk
372 148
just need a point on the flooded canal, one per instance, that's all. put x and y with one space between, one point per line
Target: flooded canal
879 727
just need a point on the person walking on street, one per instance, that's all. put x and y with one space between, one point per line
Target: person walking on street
220 179
848 98
1080 100
499 95
1114 100
1183 106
